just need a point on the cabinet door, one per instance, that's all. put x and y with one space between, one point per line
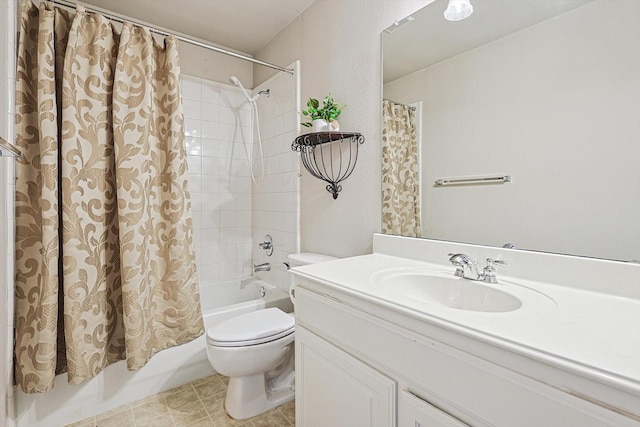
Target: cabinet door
335 389
415 412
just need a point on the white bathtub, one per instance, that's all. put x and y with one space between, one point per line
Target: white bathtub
116 386
225 300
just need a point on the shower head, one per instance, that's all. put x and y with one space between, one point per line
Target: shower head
234 81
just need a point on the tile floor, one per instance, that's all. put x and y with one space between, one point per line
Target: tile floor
197 404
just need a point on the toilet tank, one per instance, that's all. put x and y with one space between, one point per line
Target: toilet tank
298 260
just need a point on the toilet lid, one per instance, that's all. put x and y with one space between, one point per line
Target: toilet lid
253 328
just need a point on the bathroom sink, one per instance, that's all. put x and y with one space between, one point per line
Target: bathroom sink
445 289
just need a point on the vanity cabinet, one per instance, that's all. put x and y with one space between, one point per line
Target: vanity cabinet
339 390
416 412
361 363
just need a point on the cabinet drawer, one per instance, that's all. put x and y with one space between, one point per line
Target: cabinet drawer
416 412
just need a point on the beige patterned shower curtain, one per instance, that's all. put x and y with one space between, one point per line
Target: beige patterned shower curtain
400 180
105 263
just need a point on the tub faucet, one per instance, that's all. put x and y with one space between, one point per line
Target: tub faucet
261 267
465 266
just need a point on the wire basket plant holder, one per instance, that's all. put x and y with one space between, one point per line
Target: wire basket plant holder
329 156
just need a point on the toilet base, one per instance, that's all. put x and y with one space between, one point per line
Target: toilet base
255 394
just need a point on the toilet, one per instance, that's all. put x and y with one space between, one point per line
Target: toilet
255 350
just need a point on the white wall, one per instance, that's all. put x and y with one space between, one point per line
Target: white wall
275 202
554 105
7 186
207 64
338 44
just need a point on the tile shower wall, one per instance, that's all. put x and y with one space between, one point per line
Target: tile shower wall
231 215
276 200
217 124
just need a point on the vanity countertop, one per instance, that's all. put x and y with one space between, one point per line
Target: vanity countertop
593 335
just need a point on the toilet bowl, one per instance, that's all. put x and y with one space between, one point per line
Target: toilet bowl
256 351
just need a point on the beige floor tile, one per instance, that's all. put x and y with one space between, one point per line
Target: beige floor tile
87 422
181 397
205 422
151 407
161 421
177 389
209 386
189 413
273 418
118 417
215 407
289 411
197 404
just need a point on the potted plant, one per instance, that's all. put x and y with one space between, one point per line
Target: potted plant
323 118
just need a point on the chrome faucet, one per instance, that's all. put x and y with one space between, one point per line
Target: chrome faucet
267 245
468 268
261 267
465 266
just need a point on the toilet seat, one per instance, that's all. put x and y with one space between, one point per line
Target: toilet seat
253 328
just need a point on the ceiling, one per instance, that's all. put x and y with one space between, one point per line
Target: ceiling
241 25
430 39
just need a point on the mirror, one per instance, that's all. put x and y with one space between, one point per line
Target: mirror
545 92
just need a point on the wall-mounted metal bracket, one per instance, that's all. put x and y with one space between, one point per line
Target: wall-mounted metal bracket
329 156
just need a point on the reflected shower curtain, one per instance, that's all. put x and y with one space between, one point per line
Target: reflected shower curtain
400 180
105 262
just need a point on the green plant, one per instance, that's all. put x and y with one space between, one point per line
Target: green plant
329 111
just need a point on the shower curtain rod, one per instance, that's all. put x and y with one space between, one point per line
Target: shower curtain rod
398 103
165 32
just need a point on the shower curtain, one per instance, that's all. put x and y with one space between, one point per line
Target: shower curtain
400 180
105 262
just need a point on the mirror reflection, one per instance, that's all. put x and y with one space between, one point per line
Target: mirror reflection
546 93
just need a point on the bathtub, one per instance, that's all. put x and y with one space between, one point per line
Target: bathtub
116 386
219 303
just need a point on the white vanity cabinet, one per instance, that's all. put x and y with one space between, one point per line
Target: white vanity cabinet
416 412
362 363
339 390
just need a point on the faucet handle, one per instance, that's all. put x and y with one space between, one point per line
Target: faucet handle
462 261
489 272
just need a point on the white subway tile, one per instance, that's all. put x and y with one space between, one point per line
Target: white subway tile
228 219
211 201
212 130
209 274
211 93
192 108
193 146
192 127
210 147
231 116
227 96
211 219
191 88
210 112
195 183
194 165
211 254
228 132
196 202
196 220
210 166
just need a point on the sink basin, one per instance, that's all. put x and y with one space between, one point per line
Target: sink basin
445 289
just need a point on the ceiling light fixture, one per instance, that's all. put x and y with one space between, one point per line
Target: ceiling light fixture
458 10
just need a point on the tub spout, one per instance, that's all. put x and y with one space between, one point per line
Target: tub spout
261 267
